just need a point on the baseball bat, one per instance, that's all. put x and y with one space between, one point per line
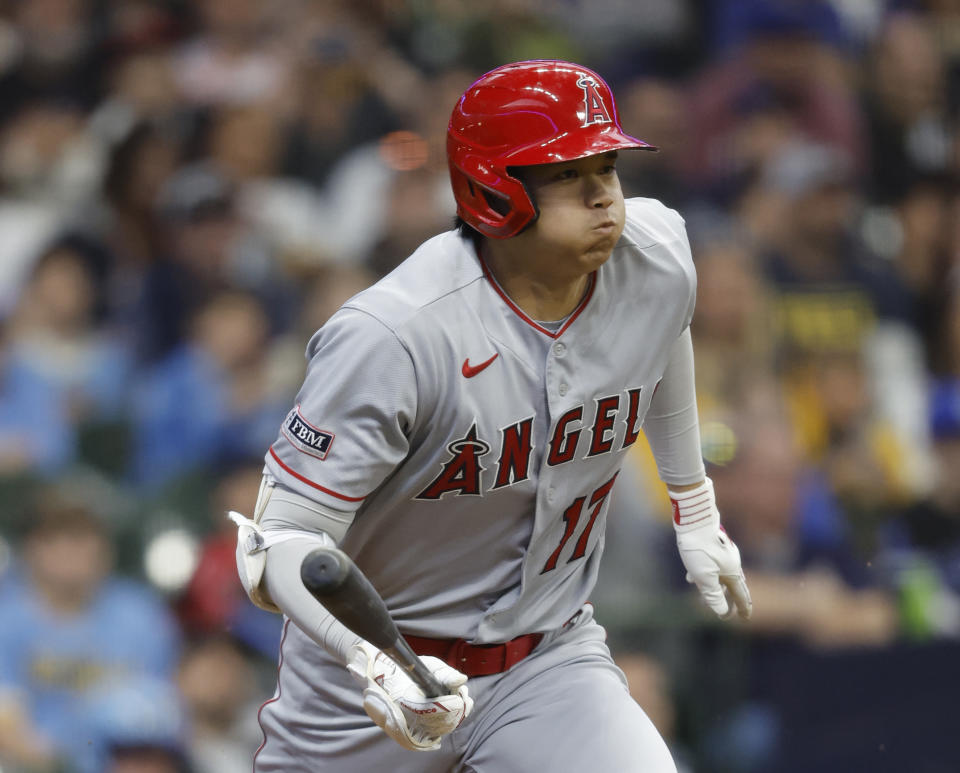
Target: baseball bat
336 582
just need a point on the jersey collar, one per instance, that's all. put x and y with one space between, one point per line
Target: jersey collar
533 323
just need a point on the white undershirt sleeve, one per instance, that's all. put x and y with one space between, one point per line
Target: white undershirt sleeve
304 525
672 425
282 581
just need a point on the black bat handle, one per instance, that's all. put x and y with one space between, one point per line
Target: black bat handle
336 582
409 661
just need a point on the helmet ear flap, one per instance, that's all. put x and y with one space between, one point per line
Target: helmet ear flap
499 210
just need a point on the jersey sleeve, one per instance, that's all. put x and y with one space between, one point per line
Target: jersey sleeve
672 425
349 427
686 260
676 236
650 222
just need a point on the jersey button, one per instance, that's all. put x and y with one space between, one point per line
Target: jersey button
550 494
562 389
559 349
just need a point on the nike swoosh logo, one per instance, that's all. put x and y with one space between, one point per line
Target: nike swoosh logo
469 371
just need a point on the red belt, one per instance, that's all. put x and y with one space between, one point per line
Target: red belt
476 659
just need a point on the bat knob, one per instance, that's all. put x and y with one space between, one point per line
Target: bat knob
325 570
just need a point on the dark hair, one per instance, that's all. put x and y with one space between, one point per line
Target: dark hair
467 231
53 513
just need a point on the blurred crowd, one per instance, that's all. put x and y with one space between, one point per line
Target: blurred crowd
189 189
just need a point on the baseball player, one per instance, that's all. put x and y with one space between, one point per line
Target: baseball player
459 434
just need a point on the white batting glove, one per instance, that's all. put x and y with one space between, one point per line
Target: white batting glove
711 558
395 703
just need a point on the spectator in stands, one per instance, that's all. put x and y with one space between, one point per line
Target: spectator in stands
196 208
143 724
931 527
212 602
842 311
68 628
218 681
369 191
138 166
212 399
796 543
906 106
785 79
53 54
234 54
57 330
733 327
58 350
209 246
36 435
918 244
350 85
659 105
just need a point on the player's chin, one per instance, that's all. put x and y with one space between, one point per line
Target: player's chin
598 250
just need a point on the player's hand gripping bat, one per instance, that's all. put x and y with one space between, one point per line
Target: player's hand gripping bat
345 592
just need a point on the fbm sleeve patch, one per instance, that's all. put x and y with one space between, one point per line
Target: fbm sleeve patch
305 437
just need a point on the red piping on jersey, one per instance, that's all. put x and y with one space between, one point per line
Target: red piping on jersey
274 699
309 482
519 312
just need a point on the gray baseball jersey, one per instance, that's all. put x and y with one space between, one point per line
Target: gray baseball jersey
481 447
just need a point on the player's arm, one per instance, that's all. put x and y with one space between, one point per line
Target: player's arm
287 526
672 428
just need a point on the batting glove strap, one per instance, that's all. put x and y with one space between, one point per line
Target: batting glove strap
396 705
710 557
695 509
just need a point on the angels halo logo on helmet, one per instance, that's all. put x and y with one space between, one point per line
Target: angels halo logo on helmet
541 111
595 111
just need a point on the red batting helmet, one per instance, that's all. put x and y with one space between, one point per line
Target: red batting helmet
536 112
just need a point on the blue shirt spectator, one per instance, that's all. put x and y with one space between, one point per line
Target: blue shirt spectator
212 400
69 629
36 435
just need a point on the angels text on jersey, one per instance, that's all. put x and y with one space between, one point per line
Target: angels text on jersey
613 423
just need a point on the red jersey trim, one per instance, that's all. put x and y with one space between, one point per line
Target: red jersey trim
309 482
519 312
274 699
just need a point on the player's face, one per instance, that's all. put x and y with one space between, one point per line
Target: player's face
581 210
